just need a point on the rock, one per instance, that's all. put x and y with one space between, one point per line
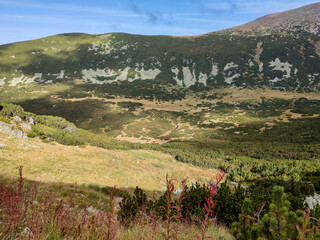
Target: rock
71 128
312 201
194 184
17 118
26 232
178 192
235 184
2 146
30 120
18 133
118 199
5 128
25 126
91 209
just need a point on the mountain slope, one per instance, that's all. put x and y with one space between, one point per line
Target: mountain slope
282 59
50 161
301 19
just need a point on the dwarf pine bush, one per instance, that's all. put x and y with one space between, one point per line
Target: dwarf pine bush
278 223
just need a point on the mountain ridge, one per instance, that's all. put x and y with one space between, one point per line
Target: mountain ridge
306 17
229 58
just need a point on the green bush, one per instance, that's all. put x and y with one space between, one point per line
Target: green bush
279 223
133 206
68 138
31 135
9 109
4 119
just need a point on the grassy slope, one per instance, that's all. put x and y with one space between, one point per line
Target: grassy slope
57 163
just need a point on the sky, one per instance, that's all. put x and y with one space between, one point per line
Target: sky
31 19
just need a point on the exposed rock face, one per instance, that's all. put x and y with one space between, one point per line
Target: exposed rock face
312 201
7 129
26 126
17 118
18 133
30 120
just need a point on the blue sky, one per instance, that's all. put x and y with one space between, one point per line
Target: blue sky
31 19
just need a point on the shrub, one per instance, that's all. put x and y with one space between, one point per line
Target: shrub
9 109
278 223
229 203
68 138
31 135
4 119
246 228
133 206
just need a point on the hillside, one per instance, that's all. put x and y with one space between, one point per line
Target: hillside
302 19
285 55
46 160
56 163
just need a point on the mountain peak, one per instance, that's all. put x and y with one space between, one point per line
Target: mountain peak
306 18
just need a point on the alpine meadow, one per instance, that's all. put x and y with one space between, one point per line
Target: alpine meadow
158 137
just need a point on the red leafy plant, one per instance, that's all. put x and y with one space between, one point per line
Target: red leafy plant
209 205
173 210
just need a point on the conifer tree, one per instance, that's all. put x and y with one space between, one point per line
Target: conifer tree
279 223
246 228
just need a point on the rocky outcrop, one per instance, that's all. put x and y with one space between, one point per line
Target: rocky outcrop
30 120
10 130
17 118
26 126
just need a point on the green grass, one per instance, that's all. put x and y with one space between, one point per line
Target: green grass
158 165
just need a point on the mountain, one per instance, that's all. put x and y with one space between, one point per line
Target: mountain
279 50
301 19
155 89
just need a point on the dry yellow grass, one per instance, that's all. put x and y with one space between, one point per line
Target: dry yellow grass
91 165
140 140
186 232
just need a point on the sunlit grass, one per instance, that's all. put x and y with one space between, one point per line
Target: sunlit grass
91 165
